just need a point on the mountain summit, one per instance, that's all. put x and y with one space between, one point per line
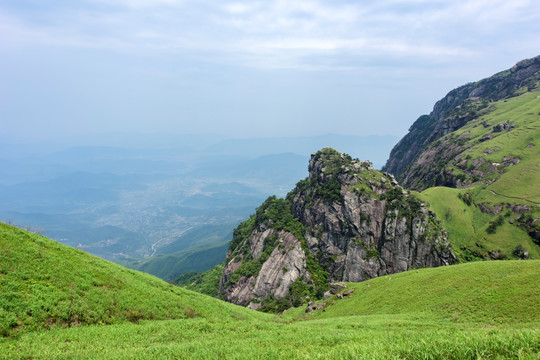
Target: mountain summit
345 222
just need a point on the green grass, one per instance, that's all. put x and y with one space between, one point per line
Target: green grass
45 284
518 184
523 142
456 216
467 225
355 337
485 310
489 293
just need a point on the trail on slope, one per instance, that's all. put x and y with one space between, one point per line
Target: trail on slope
513 197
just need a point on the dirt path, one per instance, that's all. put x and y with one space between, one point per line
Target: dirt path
512 197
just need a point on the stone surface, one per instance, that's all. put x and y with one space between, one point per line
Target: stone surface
358 224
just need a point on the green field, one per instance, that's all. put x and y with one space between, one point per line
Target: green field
486 310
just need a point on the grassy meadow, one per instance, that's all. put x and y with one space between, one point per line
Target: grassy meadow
486 310
45 284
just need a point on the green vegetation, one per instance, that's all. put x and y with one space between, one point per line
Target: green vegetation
45 284
486 220
483 310
205 282
476 235
490 292
333 161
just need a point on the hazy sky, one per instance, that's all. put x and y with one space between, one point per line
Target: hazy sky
247 68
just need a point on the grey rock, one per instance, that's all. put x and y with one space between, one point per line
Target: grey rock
337 287
312 306
502 127
354 235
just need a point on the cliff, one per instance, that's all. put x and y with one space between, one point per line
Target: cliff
345 222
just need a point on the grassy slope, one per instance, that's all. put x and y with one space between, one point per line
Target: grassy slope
469 311
519 184
488 292
45 284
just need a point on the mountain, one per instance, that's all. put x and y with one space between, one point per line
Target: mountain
345 222
418 159
475 159
372 147
125 197
472 170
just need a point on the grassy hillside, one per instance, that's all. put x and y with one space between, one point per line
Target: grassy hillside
45 284
487 219
491 292
485 310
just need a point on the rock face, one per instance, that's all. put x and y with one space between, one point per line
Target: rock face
456 109
345 222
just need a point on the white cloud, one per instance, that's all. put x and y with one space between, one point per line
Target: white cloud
308 32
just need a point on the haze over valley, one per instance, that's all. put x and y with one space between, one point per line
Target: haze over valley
133 196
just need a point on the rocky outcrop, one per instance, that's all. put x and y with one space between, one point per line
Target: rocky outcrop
375 228
345 222
456 109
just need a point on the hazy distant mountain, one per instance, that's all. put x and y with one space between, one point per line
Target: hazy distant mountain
122 197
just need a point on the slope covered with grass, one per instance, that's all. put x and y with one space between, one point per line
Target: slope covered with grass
494 216
45 284
490 292
485 310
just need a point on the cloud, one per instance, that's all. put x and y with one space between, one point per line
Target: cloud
291 33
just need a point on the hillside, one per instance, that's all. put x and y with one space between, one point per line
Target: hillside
476 161
456 109
492 209
45 284
485 310
484 292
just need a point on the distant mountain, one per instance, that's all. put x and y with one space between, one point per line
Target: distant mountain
375 148
120 197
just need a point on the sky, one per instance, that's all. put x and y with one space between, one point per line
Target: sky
247 68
